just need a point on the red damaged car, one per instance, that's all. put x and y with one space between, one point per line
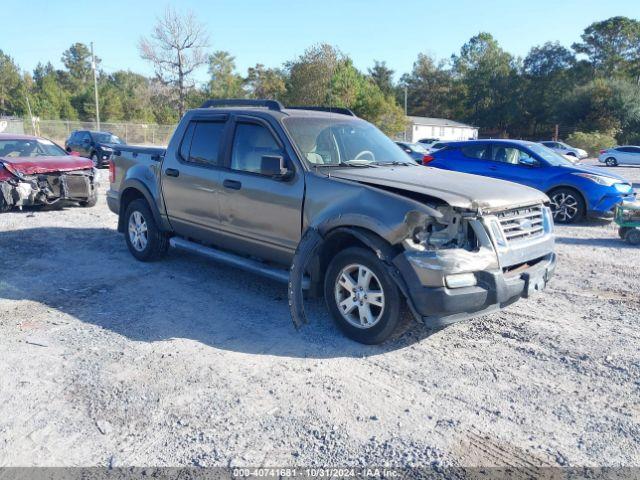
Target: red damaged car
36 171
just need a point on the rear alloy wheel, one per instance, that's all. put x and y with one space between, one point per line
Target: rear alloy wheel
611 162
362 297
145 240
567 205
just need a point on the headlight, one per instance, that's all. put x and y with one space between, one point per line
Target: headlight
623 187
107 149
547 219
599 179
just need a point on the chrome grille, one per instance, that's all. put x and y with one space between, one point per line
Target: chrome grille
521 223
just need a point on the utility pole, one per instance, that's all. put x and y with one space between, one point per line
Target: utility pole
33 123
406 95
95 87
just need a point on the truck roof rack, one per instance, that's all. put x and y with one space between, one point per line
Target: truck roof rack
341 110
243 102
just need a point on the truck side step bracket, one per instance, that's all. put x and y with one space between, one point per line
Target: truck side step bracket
238 261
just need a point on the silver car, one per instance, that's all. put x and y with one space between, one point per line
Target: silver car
564 149
625 155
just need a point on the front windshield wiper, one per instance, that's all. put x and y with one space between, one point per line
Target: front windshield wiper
396 162
350 163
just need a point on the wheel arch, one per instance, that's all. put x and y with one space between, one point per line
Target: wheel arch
341 238
133 190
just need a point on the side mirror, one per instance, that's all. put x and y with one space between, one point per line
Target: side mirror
528 162
274 166
86 140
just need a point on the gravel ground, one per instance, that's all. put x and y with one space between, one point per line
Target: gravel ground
110 362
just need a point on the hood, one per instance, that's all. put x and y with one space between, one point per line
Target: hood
36 165
460 190
582 168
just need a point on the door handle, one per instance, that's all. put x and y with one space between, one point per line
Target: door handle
172 172
493 168
232 184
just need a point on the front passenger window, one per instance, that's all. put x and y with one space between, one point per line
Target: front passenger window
251 143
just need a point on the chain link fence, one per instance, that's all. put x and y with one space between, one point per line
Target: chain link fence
131 133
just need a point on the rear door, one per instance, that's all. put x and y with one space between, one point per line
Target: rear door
260 215
472 158
191 179
84 144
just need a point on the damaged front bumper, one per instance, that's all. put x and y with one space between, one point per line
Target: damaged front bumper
48 188
494 289
450 285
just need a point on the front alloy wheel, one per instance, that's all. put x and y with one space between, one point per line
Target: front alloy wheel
363 297
359 296
566 205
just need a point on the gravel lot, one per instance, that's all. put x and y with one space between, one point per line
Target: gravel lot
110 362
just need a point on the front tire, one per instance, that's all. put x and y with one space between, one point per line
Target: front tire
91 201
611 162
145 240
363 299
567 205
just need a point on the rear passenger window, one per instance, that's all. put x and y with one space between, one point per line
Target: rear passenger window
252 142
205 143
480 152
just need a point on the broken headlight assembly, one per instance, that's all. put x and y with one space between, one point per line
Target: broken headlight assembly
450 231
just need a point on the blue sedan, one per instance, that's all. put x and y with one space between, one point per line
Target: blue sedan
575 191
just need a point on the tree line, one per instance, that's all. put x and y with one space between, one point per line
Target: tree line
594 86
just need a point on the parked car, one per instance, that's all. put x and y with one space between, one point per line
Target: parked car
415 150
432 144
575 190
36 171
564 149
328 203
625 155
98 146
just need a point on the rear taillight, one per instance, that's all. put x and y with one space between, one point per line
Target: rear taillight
426 159
602 151
112 172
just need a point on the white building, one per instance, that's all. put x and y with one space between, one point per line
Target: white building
439 128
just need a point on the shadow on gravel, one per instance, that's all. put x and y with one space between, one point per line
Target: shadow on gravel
90 275
612 242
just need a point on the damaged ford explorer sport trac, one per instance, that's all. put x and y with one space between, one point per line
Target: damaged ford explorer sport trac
324 201
36 171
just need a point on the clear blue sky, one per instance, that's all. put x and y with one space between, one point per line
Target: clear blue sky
273 31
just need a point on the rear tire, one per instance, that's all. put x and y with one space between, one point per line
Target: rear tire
611 162
567 205
363 299
633 236
622 232
145 240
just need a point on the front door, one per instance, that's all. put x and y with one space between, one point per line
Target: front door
260 214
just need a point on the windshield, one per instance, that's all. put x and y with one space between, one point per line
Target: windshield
30 148
549 155
327 141
106 138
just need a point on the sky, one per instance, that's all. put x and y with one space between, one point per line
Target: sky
274 31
